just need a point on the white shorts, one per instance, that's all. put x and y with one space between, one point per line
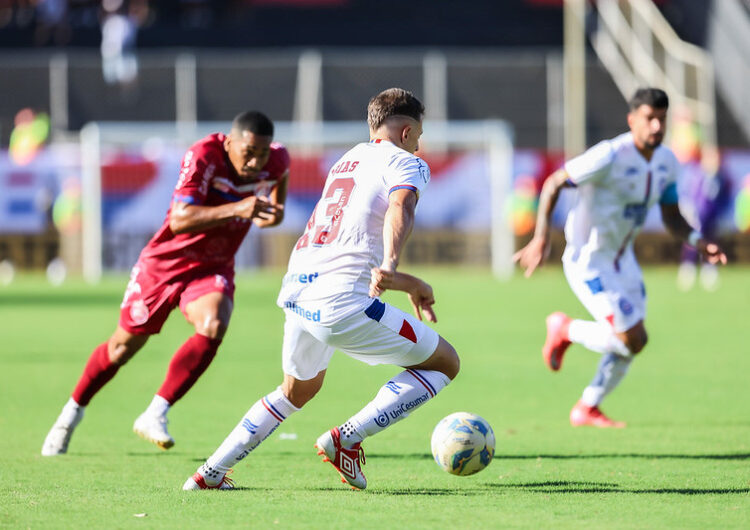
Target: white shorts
381 334
614 295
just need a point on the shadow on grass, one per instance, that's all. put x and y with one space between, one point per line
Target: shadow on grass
563 486
428 492
649 456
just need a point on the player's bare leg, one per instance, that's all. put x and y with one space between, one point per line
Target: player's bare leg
260 421
210 316
611 371
100 368
395 401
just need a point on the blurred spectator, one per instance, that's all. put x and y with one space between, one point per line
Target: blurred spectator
52 23
29 133
119 31
704 192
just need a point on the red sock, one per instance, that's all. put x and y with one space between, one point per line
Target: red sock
187 365
99 370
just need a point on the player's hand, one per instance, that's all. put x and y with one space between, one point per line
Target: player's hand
532 255
269 217
252 207
422 300
711 251
381 279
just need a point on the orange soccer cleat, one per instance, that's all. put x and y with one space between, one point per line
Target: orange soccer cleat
583 414
557 340
346 461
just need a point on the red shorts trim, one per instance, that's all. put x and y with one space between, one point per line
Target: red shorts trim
150 298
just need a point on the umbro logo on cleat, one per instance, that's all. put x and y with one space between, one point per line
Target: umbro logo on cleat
348 465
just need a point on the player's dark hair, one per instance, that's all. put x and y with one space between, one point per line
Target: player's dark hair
254 122
393 102
653 97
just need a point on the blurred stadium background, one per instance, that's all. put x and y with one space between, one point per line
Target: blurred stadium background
100 100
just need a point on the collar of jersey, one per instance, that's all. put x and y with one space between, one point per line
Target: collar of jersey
380 141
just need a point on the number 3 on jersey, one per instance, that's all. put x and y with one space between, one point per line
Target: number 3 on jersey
324 234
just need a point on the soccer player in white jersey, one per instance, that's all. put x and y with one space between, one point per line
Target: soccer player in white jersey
346 258
617 181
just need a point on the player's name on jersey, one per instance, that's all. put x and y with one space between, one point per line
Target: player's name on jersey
304 313
301 278
345 167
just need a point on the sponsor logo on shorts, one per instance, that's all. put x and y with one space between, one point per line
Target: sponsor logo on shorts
138 312
402 409
313 316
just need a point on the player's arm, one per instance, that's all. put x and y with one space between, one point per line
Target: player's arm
679 227
277 198
185 217
534 253
397 225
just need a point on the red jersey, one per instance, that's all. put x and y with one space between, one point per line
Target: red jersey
207 178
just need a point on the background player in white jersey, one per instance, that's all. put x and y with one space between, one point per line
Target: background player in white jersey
346 258
617 181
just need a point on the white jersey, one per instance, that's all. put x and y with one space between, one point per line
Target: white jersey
616 187
329 270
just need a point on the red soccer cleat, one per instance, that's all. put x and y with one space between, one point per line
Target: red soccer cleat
557 340
197 482
582 414
346 461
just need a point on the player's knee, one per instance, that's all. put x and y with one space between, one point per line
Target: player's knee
213 328
300 392
452 363
120 353
300 396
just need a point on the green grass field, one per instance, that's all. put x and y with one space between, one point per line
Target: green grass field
683 461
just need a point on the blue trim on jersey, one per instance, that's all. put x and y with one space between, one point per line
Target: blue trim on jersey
227 196
376 310
403 187
187 199
570 183
669 195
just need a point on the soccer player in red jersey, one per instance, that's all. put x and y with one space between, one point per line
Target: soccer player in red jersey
226 183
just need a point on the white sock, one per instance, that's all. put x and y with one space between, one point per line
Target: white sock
260 421
393 402
158 407
596 336
71 413
609 374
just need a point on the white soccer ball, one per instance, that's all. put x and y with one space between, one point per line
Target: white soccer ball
463 443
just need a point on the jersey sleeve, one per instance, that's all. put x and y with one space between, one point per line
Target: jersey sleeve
591 165
195 174
669 195
279 161
409 172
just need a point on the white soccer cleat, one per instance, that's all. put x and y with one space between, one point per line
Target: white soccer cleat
58 438
153 429
347 461
197 482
